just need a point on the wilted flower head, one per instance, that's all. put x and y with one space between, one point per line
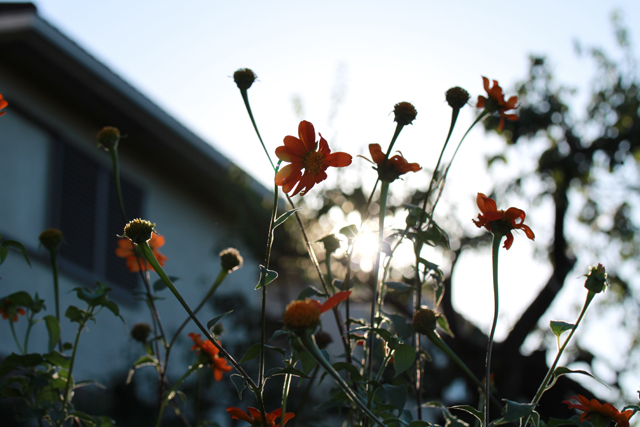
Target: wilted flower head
230 259
393 167
302 154
108 137
244 78
139 230
51 238
140 332
499 221
457 97
404 113
596 279
425 321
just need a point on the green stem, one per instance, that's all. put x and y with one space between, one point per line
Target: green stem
396 133
148 254
495 251
116 172
15 337
67 389
305 394
548 377
310 345
285 396
193 368
26 335
245 98
54 266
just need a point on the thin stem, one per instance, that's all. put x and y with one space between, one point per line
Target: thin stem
245 98
116 172
305 395
396 133
193 368
15 337
28 332
285 396
67 389
53 255
495 251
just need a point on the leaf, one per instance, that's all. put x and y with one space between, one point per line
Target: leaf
3 253
143 361
401 326
350 231
266 276
563 370
240 384
473 411
308 362
310 291
351 369
403 358
211 323
397 395
513 411
21 298
558 327
19 246
159 284
14 361
282 218
254 351
444 325
74 314
53 327
89 382
289 370
398 286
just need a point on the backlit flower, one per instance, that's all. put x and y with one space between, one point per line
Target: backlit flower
599 414
206 348
303 153
126 250
496 103
3 104
395 166
9 309
304 314
254 418
502 222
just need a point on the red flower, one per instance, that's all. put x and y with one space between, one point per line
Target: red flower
394 166
255 418
218 364
503 221
10 309
302 154
125 250
3 104
303 314
496 102
593 408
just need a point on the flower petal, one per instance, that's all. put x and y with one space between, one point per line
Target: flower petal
376 153
334 300
338 159
486 204
509 241
307 135
283 174
239 414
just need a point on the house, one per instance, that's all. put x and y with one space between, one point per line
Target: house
53 175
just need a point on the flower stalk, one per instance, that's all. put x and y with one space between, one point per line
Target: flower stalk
497 237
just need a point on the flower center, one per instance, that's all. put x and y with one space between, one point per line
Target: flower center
313 162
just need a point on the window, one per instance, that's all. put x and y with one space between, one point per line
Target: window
85 207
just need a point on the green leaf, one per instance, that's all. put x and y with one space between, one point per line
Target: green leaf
254 351
74 314
473 411
563 370
3 254
401 326
558 327
397 394
21 298
444 325
211 323
308 362
350 231
14 361
403 358
19 246
513 411
398 286
240 383
351 369
288 370
310 291
58 359
282 218
159 284
143 361
53 327
266 276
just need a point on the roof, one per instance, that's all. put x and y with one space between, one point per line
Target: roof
56 66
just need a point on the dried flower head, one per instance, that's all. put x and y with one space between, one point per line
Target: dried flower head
331 243
425 321
140 332
323 339
244 78
404 113
51 238
596 279
108 137
230 259
139 230
457 97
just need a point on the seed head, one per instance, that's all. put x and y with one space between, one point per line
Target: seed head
457 97
404 113
331 243
108 137
230 259
139 230
244 78
140 332
425 321
596 279
51 238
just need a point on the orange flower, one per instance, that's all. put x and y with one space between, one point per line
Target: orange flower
3 104
502 221
496 102
10 309
306 313
125 250
593 408
218 364
302 154
254 417
394 166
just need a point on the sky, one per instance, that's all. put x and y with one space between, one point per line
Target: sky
345 64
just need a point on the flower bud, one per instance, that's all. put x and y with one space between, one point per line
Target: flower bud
596 279
108 137
457 97
300 315
217 330
230 259
323 339
139 230
331 243
244 78
425 321
404 113
51 238
140 332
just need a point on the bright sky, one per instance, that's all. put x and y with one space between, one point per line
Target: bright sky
182 54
